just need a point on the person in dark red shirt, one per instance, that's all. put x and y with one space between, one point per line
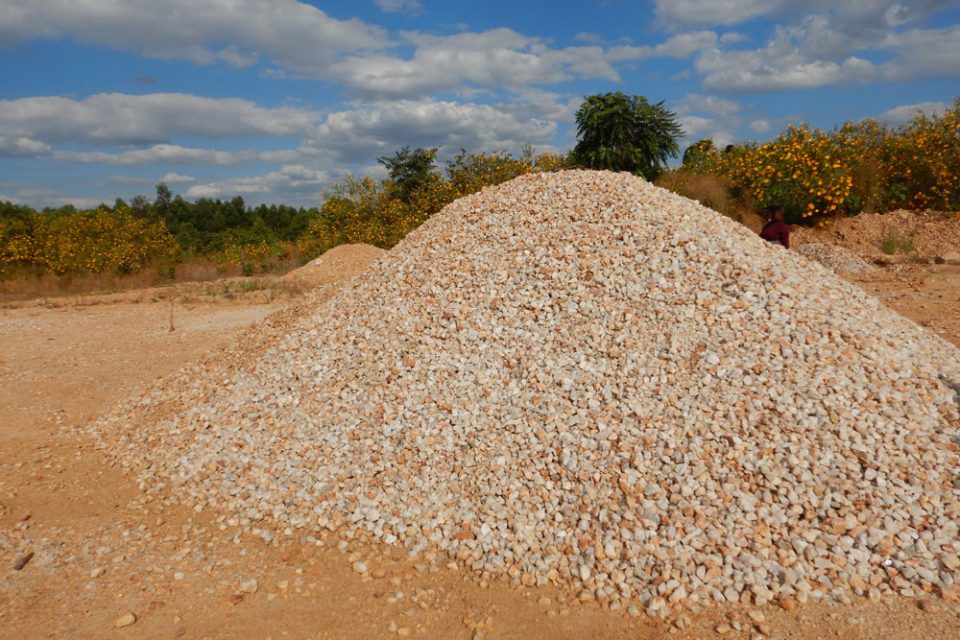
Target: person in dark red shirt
775 229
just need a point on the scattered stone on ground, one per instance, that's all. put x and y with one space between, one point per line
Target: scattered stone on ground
837 259
125 619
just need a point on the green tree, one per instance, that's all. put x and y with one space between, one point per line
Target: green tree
625 133
410 170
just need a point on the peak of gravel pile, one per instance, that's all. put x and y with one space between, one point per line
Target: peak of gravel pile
580 378
833 257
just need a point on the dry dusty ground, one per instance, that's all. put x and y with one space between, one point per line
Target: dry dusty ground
101 551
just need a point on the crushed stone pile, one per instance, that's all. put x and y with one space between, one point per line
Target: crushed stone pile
835 258
582 379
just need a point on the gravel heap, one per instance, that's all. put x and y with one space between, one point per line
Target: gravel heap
837 259
583 379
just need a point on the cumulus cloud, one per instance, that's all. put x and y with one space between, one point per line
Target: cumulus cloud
499 57
586 36
177 178
890 13
400 6
760 126
771 69
294 35
903 113
39 197
706 116
294 182
11 146
121 119
679 46
161 154
834 43
380 128
710 104
725 12
923 53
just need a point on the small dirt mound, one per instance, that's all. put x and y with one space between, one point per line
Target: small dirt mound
923 235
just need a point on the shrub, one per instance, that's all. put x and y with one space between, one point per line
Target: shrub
625 133
94 241
800 171
709 190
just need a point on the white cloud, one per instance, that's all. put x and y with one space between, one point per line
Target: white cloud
292 182
294 35
713 12
760 126
887 13
732 37
710 104
40 197
21 146
498 58
903 113
383 127
177 178
773 69
586 36
923 53
161 153
695 126
119 119
400 6
679 46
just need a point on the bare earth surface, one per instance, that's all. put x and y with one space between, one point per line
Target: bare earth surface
100 550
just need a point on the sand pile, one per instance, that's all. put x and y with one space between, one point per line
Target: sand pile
343 261
833 257
583 379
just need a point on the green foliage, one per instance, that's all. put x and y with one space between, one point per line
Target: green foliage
94 241
410 170
468 173
625 133
896 243
699 155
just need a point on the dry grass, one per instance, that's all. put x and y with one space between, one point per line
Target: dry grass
710 191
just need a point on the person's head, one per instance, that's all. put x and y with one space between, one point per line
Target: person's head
774 212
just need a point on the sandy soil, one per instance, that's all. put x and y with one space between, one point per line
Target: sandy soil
100 550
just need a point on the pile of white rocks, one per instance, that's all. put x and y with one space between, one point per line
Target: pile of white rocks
835 258
583 379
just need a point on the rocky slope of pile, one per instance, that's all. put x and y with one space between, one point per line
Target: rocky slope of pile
581 378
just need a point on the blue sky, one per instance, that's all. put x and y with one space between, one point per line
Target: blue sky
275 100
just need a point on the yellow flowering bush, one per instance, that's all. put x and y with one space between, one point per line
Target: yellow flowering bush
861 166
922 162
93 241
801 170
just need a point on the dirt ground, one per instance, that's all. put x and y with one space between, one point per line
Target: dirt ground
101 550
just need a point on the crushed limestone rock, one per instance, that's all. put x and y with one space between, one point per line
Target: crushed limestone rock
583 379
